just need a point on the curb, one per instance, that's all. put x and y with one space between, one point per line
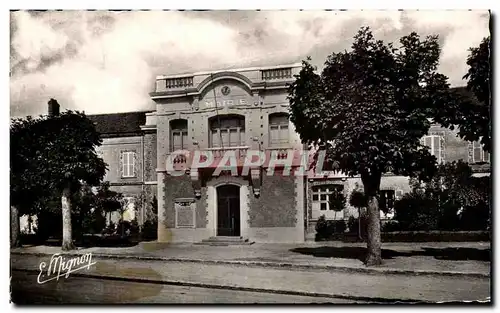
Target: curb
237 288
278 265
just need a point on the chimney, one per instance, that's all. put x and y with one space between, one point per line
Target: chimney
53 107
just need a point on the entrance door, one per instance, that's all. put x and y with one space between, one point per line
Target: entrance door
228 210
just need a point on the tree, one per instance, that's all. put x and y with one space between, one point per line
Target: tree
107 200
337 203
28 190
359 201
368 109
62 157
472 113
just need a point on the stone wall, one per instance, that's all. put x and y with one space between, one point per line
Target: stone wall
150 148
181 187
276 205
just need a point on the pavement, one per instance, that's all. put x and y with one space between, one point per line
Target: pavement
466 259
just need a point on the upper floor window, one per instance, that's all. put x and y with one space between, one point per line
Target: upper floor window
477 154
227 131
436 146
278 128
128 163
178 135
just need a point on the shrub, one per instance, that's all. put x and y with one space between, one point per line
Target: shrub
150 230
352 224
416 211
326 229
391 226
338 226
322 229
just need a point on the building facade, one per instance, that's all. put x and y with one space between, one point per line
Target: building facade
234 112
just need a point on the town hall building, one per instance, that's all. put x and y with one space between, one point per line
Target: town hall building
238 111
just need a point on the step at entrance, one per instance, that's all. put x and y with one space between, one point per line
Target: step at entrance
225 241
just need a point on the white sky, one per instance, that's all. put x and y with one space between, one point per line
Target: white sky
103 62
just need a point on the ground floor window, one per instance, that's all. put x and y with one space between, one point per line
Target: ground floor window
321 201
386 203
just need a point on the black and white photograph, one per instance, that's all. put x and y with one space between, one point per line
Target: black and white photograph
338 157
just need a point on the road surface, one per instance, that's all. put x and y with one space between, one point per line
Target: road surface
210 283
82 290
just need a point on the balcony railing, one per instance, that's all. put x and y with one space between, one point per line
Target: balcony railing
179 82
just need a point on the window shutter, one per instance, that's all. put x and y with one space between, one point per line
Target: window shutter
442 150
122 164
470 152
477 152
134 167
486 156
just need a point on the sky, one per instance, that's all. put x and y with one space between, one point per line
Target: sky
107 61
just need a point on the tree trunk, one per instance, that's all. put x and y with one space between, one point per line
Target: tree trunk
373 240
359 224
15 227
67 242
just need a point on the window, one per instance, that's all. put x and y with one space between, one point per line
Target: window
320 201
436 146
278 128
227 131
178 135
128 163
386 200
477 154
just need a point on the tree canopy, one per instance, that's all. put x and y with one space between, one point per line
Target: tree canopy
369 108
50 154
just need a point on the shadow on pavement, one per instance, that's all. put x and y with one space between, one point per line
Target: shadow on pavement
93 241
359 253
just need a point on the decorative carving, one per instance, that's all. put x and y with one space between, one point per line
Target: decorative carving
196 103
196 181
256 177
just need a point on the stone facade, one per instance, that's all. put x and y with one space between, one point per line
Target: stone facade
272 208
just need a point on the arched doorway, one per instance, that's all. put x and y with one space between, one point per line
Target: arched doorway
228 210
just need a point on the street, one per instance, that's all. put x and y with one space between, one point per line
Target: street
186 282
81 290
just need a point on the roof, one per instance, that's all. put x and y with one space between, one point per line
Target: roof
119 124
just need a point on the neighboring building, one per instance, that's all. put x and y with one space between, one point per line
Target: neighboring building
238 111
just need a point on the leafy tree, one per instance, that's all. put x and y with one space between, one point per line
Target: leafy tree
359 201
107 200
368 109
337 203
452 200
25 185
472 114
62 157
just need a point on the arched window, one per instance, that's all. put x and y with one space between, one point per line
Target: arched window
227 131
178 135
278 128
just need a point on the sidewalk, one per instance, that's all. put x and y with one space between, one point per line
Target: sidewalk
468 259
